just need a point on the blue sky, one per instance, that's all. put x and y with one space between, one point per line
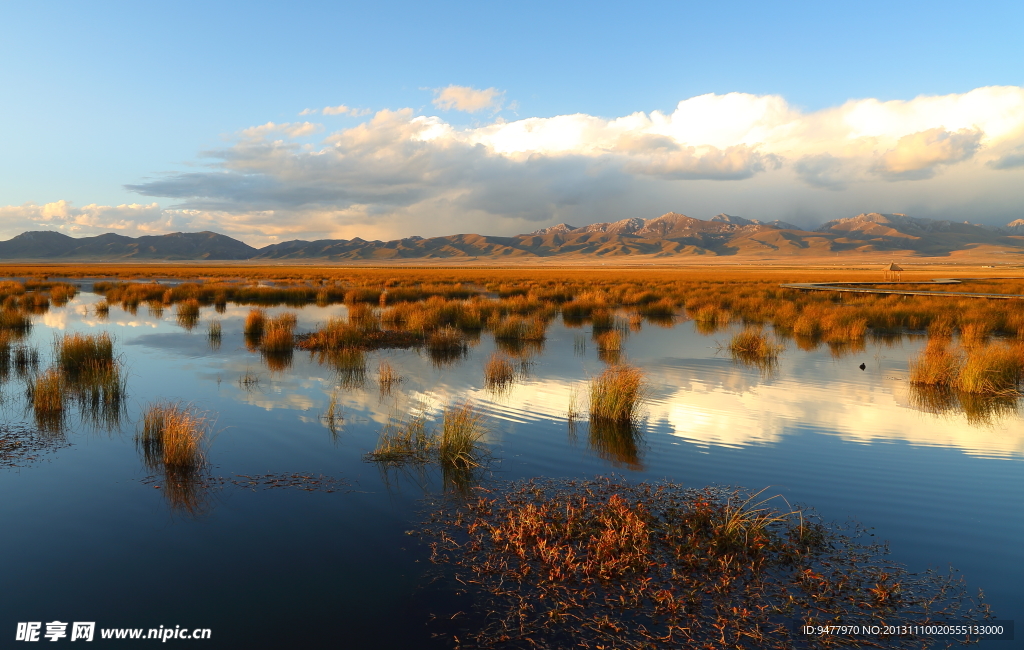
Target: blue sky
100 96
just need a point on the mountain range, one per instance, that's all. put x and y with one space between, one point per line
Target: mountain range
668 236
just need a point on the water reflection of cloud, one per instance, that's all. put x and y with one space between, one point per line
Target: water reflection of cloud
736 411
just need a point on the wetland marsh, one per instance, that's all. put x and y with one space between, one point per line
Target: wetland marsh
259 457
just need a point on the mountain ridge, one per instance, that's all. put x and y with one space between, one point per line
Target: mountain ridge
670 235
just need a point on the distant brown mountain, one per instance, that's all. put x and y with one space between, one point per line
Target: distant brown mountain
668 236
110 246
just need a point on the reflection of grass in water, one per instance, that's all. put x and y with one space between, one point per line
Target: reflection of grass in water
14 320
606 563
977 409
348 363
85 372
617 442
249 380
102 309
277 360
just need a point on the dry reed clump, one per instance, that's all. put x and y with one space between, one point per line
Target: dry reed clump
608 341
605 563
187 313
49 391
80 355
333 416
255 323
277 334
753 346
461 431
14 320
61 294
446 345
404 441
214 334
618 394
457 448
173 435
499 372
992 369
102 309
387 377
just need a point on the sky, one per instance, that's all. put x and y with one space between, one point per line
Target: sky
272 121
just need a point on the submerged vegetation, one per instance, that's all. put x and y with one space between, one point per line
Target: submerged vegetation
606 563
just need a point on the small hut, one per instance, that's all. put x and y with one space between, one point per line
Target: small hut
893 271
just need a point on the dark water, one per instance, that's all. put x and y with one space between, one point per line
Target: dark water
85 535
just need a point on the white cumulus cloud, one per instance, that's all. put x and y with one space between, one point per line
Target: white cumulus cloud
400 173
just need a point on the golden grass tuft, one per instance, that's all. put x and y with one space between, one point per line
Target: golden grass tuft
991 369
403 441
173 435
255 322
618 394
461 431
49 391
499 372
277 334
187 313
387 377
78 354
753 346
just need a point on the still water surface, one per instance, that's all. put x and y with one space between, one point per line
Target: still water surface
87 537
